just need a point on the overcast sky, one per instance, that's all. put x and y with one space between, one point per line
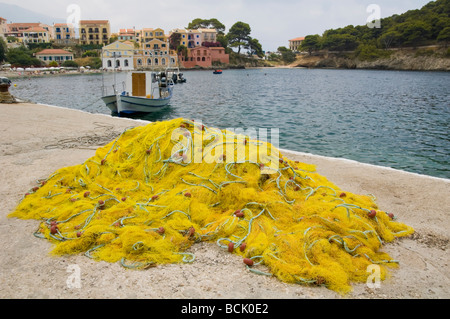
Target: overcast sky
272 22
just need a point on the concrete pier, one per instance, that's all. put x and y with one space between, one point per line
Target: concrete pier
38 139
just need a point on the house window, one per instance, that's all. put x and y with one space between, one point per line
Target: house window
139 62
126 63
149 61
203 59
163 61
109 63
156 61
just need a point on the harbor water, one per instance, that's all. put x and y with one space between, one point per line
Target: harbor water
395 119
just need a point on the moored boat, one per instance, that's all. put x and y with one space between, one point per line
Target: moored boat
150 92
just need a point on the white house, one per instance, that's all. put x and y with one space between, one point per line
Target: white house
54 55
118 56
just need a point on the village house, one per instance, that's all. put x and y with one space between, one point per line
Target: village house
35 35
30 32
295 43
126 35
118 56
204 57
94 32
57 55
193 38
148 34
64 33
155 54
3 27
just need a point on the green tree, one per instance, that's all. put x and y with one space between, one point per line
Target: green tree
340 42
287 55
70 64
174 40
389 39
207 24
90 53
239 35
223 40
415 32
95 63
254 47
53 64
182 50
22 56
2 50
113 39
444 36
311 43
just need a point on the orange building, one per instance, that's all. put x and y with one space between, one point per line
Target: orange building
204 57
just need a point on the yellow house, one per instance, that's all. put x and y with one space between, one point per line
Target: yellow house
94 31
118 56
3 27
155 54
64 33
148 34
195 38
36 35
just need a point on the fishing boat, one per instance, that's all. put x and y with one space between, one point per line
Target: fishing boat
150 92
217 72
175 75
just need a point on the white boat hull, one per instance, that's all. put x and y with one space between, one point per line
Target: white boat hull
135 104
150 92
111 102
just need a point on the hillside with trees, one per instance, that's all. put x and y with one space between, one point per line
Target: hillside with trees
422 33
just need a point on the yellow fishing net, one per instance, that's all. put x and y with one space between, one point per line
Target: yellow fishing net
150 194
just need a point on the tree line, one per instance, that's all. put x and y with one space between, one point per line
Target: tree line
429 25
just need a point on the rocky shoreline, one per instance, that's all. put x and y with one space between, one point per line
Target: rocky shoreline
401 60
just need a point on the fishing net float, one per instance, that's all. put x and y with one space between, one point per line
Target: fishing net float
146 197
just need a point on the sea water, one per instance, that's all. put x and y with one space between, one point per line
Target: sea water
398 119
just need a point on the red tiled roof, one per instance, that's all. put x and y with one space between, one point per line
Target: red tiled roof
94 21
53 51
35 29
298 39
